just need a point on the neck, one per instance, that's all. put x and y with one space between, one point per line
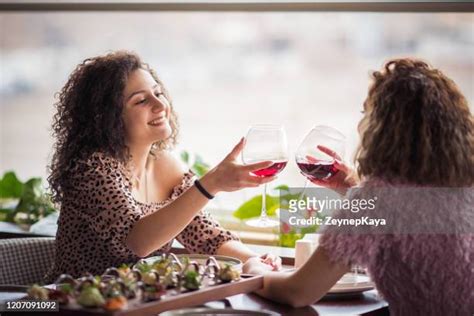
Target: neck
139 155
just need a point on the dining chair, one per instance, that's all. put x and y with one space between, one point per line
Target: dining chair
24 261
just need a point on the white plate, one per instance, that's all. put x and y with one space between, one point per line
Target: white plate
350 283
201 259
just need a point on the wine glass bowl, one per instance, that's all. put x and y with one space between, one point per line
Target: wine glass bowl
317 153
265 143
272 170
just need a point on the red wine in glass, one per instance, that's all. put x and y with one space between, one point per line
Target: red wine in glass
319 170
265 143
272 170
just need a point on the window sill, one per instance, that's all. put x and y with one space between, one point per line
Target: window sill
249 235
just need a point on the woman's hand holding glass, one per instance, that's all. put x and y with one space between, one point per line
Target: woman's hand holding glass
320 159
343 179
230 176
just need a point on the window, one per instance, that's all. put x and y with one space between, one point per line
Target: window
225 71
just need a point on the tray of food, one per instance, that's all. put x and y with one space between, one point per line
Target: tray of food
148 287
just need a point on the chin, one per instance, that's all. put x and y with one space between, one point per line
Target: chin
163 134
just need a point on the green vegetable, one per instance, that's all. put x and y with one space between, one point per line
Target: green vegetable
191 280
90 297
66 288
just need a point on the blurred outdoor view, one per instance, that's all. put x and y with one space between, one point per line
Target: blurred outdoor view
225 71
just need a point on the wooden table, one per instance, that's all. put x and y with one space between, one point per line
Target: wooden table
367 304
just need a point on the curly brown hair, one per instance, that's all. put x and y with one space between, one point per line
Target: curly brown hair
89 114
417 129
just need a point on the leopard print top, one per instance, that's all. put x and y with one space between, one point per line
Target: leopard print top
98 212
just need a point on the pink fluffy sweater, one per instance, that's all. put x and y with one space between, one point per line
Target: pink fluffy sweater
422 262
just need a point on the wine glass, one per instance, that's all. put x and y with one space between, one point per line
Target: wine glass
265 143
316 155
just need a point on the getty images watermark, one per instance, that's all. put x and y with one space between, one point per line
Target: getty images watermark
313 207
373 210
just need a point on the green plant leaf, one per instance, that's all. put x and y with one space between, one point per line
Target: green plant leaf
32 190
289 239
199 170
185 156
5 214
253 207
200 160
282 187
199 167
10 186
34 203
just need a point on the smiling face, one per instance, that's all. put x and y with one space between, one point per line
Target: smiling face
146 110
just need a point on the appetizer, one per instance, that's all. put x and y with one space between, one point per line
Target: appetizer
61 295
152 292
115 303
170 280
144 281
38 293
191 280
228 274
114 296
90 296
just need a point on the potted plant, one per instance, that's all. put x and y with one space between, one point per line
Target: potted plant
23 203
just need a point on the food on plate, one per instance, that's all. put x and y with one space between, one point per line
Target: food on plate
124 271
59 295
191 280
152 292
115 303
146 281
90 296
228 274
114 296
170 280
37 292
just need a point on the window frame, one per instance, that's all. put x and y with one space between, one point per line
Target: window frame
428 6
381 6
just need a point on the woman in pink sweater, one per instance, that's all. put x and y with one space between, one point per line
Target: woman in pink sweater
417 156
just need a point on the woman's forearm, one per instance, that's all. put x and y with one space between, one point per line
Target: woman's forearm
278 286
305 285
236 249
153 231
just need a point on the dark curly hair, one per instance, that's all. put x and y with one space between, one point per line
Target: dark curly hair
89 115
417 127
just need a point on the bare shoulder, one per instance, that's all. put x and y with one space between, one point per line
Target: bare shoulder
166 163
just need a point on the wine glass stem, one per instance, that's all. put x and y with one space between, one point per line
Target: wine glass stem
263 214
304 189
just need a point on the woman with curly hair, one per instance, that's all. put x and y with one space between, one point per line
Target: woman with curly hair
122 194
417 153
